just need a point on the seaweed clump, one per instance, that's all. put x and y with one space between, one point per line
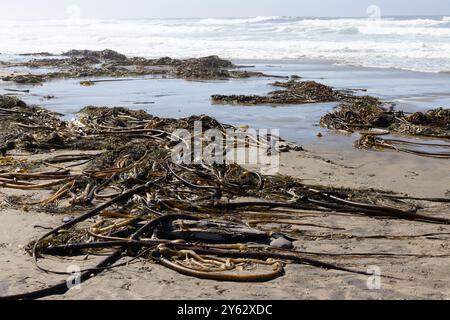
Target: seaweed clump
435 122
25 78
295 92
203 68
28 127
361 113
109 63
106 54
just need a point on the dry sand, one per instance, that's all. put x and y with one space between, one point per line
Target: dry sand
420 277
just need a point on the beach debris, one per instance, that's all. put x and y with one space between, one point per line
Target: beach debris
67 219
295 92
203 68
109 63
282 243
369 141
28 127
87 83
373 118
433 123
130 199
7 161
35 129
359 113
30 54
17 90
25 78
368 113
106 54
374 132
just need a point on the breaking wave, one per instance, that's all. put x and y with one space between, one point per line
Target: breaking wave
421 44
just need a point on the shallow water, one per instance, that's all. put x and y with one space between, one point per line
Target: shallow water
176 98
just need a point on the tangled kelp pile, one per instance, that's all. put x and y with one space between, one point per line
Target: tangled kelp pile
294 92
362 113
433 123
368 116
109 63
28 127
36 129
359 113
201 220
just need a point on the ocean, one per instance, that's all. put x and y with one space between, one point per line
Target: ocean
409 43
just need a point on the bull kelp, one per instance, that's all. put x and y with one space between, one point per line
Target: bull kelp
131 199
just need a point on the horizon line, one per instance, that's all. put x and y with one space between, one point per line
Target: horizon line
239 17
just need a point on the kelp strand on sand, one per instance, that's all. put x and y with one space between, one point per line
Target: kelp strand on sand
368 141
201 220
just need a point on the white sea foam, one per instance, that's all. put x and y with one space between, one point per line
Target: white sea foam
421 44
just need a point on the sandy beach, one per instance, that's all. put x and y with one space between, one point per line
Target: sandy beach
421 277
411 257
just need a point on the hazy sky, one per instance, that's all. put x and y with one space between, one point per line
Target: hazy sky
57 9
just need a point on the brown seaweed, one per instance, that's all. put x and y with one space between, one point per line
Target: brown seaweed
368 141
109 63
361 113
294 93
